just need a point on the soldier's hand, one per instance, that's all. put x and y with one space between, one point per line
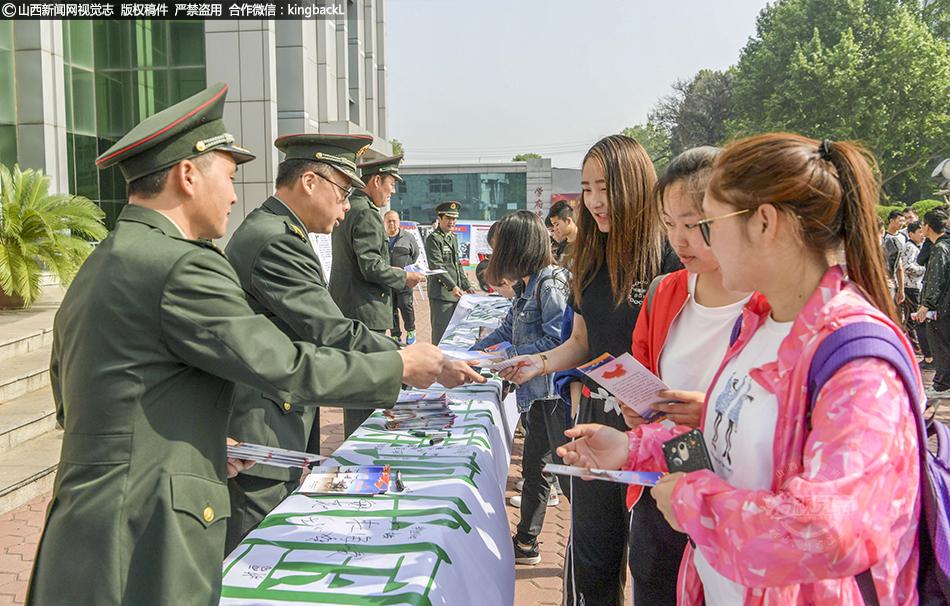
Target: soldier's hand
413 278
422 364
457 372
236 466
458 292
470 291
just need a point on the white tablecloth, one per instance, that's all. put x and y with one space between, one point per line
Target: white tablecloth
444 540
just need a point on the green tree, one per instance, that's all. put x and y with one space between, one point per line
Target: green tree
397 147
41 230
655 139
695 113
936 14
870 70
526 157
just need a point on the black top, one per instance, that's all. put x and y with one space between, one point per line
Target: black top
610 326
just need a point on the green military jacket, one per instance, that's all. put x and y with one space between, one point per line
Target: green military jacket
150 338
442 252
284 281
362 280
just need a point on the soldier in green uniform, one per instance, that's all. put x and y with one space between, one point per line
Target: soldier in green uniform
284 280
442 252
362 278
150 338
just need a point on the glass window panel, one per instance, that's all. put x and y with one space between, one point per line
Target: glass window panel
6 35
7 88
113 48
114 104
84 102
78 42
187 43
7 145
87 175
183 83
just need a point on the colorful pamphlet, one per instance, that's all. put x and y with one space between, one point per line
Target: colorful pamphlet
351 480
628 381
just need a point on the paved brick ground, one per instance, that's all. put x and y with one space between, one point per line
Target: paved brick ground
535 585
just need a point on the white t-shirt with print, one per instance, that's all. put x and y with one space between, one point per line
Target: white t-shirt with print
697 342
739 433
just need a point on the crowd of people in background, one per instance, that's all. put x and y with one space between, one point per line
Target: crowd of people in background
915 258
723 278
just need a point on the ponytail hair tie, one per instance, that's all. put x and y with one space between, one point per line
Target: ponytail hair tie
824 150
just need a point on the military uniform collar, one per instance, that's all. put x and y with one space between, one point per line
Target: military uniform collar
153 218
359 194
279 207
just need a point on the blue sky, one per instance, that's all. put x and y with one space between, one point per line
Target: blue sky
482 80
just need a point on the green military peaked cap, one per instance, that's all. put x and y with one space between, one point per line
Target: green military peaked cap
339 151
185 130
383 166
449 209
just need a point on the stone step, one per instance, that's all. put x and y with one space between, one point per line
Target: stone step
23 374
29 469
24 344
27 417
26 330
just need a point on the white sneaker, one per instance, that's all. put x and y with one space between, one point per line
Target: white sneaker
519 486
553 500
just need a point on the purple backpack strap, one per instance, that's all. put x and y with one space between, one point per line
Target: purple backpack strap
736 329
852 342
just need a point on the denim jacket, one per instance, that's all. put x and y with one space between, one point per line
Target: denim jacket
532 329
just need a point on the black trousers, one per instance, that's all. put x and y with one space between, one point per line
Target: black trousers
938 334
544 425
595 559
402 303
912 328
655 554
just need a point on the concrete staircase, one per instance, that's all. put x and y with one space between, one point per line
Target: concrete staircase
29 440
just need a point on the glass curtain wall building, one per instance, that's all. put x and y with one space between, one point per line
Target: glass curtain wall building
8 139
484 196
116 73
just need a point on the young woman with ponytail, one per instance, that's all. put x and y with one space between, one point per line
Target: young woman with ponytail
798 510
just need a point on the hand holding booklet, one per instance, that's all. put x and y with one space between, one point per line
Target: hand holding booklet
423 271
628 381
276 457
640 478
492 353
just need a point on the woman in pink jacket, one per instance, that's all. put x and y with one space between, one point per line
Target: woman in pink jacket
795 510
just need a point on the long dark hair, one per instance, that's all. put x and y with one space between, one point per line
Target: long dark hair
521 247
632 249
832 188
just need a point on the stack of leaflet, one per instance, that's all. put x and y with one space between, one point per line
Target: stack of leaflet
420 410
268 455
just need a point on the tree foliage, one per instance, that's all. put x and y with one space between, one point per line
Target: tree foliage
870 70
